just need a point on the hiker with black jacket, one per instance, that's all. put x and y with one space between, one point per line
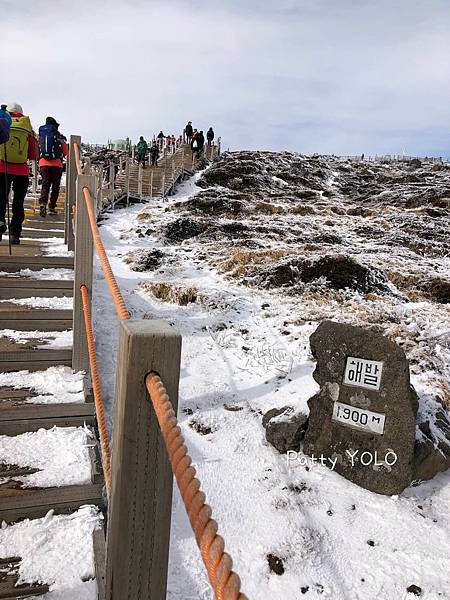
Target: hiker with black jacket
154 153
188 132
210 136
200 143
52 149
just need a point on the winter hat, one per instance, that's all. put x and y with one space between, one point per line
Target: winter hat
51 121
14 108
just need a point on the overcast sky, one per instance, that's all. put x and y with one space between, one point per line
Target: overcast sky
331 76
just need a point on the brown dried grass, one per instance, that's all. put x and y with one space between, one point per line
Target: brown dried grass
240 260
172 293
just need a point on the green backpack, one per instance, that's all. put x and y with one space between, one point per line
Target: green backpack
17 145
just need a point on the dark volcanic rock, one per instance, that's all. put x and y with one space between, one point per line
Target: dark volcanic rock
437 289
432 449
284 428
184 229
332 344
341 272
144 260
211 202
275 564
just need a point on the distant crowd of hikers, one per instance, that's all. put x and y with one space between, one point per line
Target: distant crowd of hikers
19 144
191 136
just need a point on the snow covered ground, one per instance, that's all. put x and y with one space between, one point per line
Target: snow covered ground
246 350
54 385
60 456
56 549
295 530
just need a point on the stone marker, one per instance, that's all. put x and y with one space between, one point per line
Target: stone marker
365 412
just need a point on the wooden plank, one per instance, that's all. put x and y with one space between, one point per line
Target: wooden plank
61 500
47 262
36 325
141 477
9 576
39 354
71 192
84 253
32 365
38 284
8 293
15 312
37 234
98 536
12 411
17 427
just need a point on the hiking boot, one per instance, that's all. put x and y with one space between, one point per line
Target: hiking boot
2 229
15 240
43 211
52 211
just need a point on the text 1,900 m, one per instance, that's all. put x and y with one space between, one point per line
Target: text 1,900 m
358 418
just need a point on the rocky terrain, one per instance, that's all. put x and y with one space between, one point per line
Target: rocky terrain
360 242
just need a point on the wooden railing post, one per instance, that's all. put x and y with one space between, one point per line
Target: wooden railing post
140 178
71 192
127 178
83 272
112 175
141 478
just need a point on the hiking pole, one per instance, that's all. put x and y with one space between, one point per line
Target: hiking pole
7 200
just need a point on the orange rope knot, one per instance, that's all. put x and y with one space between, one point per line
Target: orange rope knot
219 565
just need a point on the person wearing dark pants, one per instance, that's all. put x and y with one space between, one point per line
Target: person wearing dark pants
52 148
14 156
51 183
19 185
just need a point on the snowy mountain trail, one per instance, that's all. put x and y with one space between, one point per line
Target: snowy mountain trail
246 261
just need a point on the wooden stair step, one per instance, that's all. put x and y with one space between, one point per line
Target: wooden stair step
9 575
15 287
14 263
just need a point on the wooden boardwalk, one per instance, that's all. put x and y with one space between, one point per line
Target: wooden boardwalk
20 280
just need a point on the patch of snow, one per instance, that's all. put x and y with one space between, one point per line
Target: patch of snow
51 339
61 454
59 274
54 385
57 550
64 303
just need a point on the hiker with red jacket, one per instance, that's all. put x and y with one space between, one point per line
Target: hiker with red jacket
14 155
52 149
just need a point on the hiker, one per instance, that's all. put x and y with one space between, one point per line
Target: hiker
5 124
210 136
160 137
200 143
52 149
154 153
141 151
14 154
194 144
188 132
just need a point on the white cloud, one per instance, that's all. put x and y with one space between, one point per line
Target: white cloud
321 75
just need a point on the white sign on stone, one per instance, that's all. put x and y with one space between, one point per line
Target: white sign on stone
363 373
358 418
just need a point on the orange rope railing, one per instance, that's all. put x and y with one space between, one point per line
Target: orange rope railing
117 297
98 400
219 565
76 152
